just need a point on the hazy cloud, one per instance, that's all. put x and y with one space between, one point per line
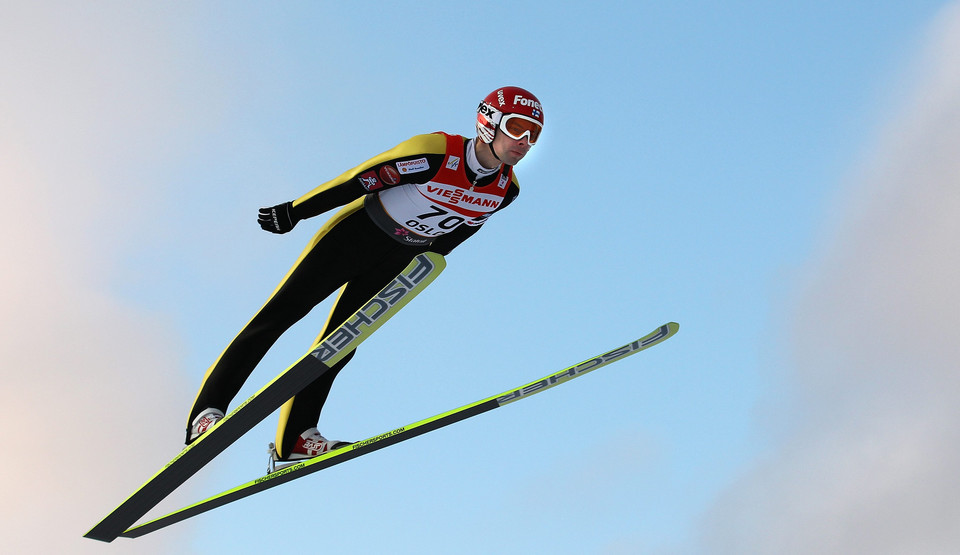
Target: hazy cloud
870 442
91 393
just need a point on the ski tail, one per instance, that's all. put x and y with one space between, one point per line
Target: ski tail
392 437
421 271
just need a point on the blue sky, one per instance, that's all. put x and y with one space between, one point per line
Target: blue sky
695 164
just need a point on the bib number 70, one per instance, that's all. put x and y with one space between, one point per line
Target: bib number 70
433 228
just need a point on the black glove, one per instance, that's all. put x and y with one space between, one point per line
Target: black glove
278 219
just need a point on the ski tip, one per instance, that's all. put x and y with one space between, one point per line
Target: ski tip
668 330
437 258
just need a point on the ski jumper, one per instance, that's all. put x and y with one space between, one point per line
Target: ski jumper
419 196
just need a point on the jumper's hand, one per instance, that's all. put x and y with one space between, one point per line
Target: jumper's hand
278 219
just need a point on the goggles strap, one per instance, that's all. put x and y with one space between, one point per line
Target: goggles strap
490 144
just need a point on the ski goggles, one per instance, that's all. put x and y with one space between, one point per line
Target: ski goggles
518 126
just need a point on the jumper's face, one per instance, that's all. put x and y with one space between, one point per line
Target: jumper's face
510 150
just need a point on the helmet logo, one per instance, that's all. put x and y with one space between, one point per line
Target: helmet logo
486 109
519 99
500 97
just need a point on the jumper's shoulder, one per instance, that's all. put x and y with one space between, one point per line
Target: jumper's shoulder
431 143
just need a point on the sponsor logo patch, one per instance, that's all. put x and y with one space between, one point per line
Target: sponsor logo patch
369 181
389 175
453 162
413 166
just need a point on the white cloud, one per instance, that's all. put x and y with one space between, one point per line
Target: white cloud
868 463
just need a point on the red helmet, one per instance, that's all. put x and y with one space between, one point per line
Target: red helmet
513 110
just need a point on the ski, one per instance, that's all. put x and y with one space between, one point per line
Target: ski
302 468
422 270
